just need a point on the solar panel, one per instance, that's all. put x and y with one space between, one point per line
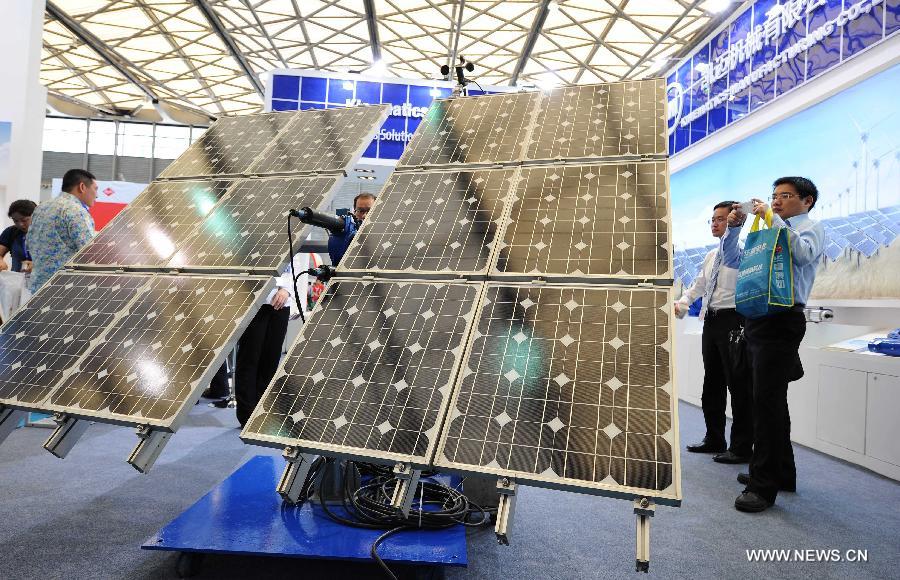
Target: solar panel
371 372
605 120
230 146
568 387
589 221
322 140
247 230
51 332
153 227
432 221
489 129
155 358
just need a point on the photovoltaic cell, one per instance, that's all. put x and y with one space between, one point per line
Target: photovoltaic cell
432 221
568 387
490 129
152 228
605 120
49 334
597 220
370 373
230 146
155 357
247 230
322 140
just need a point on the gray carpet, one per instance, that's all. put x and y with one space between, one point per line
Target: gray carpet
86 516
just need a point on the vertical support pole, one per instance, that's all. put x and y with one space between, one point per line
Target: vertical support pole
290 486
405 490
68 431
644 509
149 447
507 488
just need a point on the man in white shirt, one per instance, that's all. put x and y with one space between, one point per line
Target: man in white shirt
715 284
259 348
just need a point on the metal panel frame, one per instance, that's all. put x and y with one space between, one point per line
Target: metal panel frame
358 453
563 484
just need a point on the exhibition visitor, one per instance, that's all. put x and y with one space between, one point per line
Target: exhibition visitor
13 239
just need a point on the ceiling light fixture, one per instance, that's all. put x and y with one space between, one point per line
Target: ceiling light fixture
365 177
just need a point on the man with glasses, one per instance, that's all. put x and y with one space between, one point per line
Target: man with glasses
338 244
773 341
715 283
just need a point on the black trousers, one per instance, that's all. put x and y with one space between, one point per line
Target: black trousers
259 350
719 378
773 343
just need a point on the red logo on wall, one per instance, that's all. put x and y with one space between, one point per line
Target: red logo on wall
109 191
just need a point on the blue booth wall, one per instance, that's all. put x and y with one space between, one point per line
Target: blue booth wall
769 49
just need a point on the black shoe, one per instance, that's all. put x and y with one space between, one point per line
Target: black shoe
744 478
704 447
211 394
752 502
731 458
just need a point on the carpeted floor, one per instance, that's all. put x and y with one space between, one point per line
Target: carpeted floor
86 516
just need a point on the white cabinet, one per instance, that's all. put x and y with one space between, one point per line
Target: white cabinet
882 424
841 416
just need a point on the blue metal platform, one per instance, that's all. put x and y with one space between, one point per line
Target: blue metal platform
244 515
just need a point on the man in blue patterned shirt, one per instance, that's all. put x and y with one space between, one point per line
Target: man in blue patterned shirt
773 341
61 226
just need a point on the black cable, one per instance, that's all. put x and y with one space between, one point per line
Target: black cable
374 550
369 505
294 275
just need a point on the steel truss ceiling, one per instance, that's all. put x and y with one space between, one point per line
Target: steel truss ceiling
205 57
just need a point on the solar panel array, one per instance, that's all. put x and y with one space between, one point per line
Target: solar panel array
133 331
562 372
864 232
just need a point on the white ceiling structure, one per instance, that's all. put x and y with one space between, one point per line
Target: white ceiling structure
189 60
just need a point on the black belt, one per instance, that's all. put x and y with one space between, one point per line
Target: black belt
720 311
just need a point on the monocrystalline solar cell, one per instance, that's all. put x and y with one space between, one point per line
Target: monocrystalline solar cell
489 129
154 226
432 221
605 120
371 372
230 146
322 140
248 229
51 332
157 356
597 220
568 387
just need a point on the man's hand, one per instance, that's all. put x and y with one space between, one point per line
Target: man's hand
26 266
3 265
736 216
760 207
280 298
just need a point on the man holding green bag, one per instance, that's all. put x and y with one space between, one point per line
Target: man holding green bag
776 271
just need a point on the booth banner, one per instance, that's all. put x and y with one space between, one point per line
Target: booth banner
290 90
112 196
769 49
